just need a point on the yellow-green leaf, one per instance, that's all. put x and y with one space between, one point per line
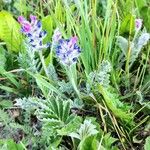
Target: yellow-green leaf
10 31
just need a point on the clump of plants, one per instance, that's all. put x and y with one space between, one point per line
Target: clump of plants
74 76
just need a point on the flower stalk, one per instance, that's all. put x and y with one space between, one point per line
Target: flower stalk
71 73
43 63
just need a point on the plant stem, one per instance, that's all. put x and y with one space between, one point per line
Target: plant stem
128 56
43 64
51 54
72 79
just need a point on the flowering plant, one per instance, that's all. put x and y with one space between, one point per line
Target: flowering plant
34 37
34 33
67 51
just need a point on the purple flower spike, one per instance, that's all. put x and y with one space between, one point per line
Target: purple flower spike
138 24
68 51
33 31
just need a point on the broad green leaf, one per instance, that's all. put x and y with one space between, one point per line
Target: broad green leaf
28 104
125 25
108 141
47 24
89 143
10 31
10 145
142 100
128 6
115 105
147 143
66 110
72 126
44 85
123 44
4 117
6 103
140 3
86 129
145 15
54 106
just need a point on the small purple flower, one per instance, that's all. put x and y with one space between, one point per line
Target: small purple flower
26 26
68 51
138 24
33 31
33 19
